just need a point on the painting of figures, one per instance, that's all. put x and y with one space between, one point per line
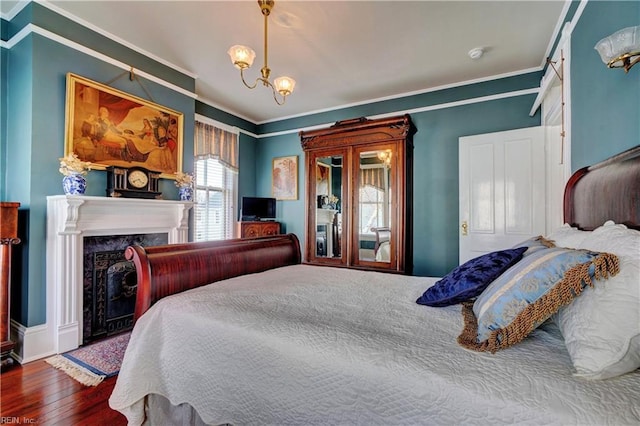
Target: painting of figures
284 178
108 127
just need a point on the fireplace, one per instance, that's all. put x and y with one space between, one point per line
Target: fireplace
109 283
70 220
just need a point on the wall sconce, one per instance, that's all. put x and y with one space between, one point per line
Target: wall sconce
621 49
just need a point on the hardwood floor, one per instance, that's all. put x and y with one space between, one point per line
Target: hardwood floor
37 393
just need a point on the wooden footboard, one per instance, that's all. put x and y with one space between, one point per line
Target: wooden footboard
168 269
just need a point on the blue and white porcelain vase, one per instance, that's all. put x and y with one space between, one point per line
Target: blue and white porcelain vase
186 193
74 184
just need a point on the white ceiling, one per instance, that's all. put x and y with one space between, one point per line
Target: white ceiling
339 52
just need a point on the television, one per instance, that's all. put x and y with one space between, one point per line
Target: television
258 208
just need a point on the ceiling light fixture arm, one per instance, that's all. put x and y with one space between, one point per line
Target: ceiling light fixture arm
266 83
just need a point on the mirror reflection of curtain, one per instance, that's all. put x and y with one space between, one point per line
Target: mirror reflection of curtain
373 177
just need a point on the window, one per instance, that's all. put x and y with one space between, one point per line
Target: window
371 209
216 180
215 200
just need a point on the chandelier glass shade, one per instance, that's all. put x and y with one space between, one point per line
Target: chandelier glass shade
242 58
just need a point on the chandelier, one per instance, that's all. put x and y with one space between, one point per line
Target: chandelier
243 56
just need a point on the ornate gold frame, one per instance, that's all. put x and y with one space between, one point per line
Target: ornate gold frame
108 127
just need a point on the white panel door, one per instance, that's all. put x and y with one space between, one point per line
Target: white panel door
502 190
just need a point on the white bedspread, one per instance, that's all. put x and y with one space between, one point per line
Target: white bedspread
306 345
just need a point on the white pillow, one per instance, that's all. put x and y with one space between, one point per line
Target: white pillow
568 236
601 328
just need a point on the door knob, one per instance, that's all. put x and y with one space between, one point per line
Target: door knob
465 228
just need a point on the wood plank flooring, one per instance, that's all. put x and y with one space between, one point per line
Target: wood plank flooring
37 393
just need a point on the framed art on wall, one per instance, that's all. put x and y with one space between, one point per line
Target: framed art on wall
284 178
108 127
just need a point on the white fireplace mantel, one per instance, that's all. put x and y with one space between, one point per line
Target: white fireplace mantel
70 218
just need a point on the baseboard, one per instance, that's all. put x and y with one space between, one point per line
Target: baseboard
32 343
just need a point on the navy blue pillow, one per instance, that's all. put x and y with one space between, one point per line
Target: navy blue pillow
471 278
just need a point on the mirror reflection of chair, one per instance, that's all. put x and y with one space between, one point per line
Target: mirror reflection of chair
383 234
381 247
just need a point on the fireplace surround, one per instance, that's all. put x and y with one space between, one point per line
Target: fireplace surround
71 218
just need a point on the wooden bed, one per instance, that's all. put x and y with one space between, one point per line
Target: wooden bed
338 359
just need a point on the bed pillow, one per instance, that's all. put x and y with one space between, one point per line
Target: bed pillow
534 244
471 278
528 294
602 328
568 236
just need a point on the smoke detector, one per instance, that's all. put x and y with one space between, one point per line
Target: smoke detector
476 53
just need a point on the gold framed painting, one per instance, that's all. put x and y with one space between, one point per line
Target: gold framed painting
284 178
108 127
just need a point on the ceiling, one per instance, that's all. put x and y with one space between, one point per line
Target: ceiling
339 52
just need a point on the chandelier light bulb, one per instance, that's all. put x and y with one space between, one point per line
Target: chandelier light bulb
241 56
284 85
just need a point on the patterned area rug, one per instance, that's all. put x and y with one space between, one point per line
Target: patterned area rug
91 364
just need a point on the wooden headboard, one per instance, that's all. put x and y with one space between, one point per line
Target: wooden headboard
172 268
609 190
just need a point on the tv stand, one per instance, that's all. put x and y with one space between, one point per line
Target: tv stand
253 229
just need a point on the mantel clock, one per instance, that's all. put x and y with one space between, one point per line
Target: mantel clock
132 182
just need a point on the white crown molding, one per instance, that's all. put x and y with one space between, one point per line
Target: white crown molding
15 10
113 37
556 31
224 109
408 94
445 105
31 28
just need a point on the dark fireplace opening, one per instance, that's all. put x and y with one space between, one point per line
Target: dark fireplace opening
109 284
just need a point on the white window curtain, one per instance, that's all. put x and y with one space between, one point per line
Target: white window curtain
216 177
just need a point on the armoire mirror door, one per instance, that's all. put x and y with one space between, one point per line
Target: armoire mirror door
374 206
326 222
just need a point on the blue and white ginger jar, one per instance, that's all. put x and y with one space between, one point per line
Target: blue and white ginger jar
74 184
186 193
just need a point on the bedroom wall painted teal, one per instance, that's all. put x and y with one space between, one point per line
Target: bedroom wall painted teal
18 167
605 102
435 200
3 120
